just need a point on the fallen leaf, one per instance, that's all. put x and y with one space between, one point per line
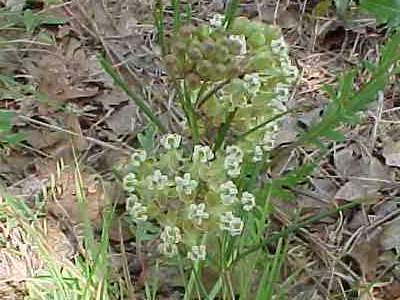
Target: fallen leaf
390 237
124 120
391 153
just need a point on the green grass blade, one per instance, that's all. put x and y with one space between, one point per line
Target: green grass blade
139 102
177 15
230 12
223 131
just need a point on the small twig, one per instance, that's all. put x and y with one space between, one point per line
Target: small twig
90 139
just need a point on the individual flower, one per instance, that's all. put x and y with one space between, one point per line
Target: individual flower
234 151
279 46
130 201
157 181
248 200
197 213
171 141
138 212
232 166
171 235
257 154
185 185
228 192
228 222
168 249
253 83
282 91
217 20
197 253
241 39
130 182
202 153
138 157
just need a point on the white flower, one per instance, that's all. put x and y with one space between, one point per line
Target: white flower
129 183
258 154
242 41
248 200
185 185
253 83
157 180
202 153
130 201
279 46
138 212
171 235
234 151
232 166
168 249
171 141
138 157
231 223
217 20
268 140
197 253
197 213
282 92
228 192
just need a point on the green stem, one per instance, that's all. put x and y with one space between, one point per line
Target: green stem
224 130
313 219
139 102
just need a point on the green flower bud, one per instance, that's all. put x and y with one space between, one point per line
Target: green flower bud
208 47
233 69
193 80
240 26
218 34
221 53
272 32
205 68
180 46
194 53
256 40
234 47
261 61
219 72
186 30
202 32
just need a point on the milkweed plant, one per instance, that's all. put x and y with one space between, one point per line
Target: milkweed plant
239 75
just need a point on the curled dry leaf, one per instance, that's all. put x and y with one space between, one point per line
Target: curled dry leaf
56 83
391 153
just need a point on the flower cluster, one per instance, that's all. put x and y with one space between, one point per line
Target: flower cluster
195 198
253 58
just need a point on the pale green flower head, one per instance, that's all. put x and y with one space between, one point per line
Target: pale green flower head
198 252
197 213
171 235
257 154
130 182
157 181
138 212
185 185
228 192
203 154
228 222
232 166
168 249
171 141
138 157
248 201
